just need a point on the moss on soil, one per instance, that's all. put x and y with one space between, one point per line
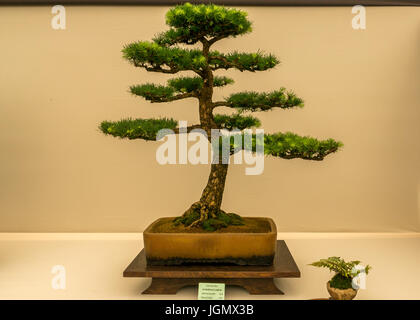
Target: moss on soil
341 282
250 225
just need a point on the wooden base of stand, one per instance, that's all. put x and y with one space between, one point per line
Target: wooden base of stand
171 286
254 279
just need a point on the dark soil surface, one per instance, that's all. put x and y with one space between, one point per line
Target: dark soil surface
251 225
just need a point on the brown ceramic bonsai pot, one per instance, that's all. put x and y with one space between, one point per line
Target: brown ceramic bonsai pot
253 243
341 294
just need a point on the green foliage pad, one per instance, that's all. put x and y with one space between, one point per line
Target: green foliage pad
257 61
285 145
236 121
153 57
189 23
177 88
255 101
137 128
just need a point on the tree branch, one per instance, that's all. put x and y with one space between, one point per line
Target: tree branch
318 157
228 63
177 97
220 104
171 70
189 128
214 39
156 69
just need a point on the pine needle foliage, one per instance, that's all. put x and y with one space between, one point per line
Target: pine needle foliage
181 86
257 61
189 84
137 128
290 145
286 145
153 92
153 57
255 101
236 121
189 23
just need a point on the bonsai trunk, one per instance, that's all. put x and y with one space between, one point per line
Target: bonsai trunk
206 212
212 194
208 207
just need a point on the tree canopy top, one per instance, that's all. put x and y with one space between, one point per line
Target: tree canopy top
191 23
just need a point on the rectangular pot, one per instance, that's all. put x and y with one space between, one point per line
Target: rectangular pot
240 248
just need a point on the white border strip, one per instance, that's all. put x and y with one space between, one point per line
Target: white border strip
347 235
35 236
15 236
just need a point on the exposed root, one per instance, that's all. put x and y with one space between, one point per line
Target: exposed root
204 215
207 217
198 222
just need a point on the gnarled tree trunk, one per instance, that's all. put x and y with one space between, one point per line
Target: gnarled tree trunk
213 192
208 207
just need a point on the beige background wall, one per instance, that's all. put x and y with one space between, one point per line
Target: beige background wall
58 173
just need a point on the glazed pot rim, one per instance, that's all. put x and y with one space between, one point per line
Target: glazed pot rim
273 229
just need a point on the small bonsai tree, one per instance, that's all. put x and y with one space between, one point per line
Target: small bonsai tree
205 25
344 271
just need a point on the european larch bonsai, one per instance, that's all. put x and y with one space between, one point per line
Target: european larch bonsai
204 25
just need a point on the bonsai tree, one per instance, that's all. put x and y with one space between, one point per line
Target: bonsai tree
344 271
203 25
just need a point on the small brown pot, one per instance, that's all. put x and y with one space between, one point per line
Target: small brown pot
341 294
231 245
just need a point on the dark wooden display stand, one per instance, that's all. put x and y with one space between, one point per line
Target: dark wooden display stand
254 279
